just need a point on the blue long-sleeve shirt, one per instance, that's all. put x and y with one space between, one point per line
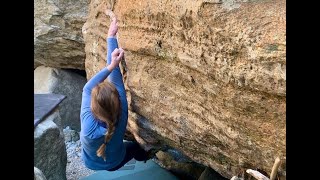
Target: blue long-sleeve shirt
93 130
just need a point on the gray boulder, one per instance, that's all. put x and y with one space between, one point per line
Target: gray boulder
49 148
70 84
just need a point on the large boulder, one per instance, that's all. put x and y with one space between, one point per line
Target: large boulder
50 153
65 82
58 40
207 78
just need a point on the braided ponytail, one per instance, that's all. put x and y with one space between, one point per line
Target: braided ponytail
102 149
105 105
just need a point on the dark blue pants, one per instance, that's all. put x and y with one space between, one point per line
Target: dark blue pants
133 150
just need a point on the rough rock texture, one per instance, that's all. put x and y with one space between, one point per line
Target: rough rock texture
58 40
70 134
49 149
70 84
38 175
205 77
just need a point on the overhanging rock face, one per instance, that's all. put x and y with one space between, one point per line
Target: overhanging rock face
207 78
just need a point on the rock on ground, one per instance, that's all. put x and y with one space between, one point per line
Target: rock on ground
49 148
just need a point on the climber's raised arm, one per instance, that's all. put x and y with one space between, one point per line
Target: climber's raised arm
115 76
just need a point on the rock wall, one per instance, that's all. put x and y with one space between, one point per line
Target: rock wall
205 77
58 40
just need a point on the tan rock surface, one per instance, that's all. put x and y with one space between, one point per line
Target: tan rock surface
205 77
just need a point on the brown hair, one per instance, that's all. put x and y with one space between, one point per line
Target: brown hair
105 105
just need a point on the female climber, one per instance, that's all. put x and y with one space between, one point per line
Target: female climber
104 114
